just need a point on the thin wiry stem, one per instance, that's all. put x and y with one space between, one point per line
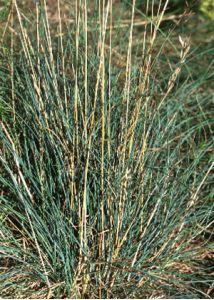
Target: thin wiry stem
63 58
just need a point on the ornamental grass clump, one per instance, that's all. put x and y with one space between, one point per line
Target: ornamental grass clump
105 159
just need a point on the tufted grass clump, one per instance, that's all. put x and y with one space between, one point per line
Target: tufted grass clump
106 160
